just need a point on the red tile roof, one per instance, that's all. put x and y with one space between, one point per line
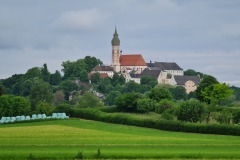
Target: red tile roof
102 75
102 68
132 60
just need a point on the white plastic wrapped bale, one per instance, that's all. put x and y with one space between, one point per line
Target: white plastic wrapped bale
54 115
3 119
65 116
39 116
22 118
34 116
18 118
44 116
59 116
7 119
28 118
13 119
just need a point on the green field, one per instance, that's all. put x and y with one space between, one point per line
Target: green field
62 139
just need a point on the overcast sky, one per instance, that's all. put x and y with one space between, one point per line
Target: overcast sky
203 35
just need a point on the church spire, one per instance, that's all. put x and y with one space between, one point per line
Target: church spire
115 40
116 52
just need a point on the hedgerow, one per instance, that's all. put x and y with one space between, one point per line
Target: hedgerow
178 126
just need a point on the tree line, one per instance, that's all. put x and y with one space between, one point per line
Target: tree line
39 91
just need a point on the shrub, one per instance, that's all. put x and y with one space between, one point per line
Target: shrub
109 109
110 97
145 105
11 105
168 114
44 107
223 117
31 157
79 156
127 102
191 111
164 105
160 92
236 116
89 100
98 155
63 108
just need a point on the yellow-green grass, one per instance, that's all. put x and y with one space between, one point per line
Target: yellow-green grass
62 139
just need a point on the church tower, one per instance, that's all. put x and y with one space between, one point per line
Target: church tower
116 52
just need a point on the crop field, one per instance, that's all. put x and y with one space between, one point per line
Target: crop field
74 138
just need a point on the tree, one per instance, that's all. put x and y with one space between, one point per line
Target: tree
191 111
127 102
11 105
1 90
95 78
216 93
59 97
110 97
91 62
236 92
89 99
17 88
207 82
44 108
34 72
6 105
26 87
145 105
41 91
130 86
21 106
11 81
117 79
105 85
56 78
236 116
75 69
67 86
144 88
69 69
191 72
179 92
147 80
192 95
118 87
223 117
45 73
164 105
63 108
160 92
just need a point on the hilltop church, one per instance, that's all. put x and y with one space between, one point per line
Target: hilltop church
121 62
133 67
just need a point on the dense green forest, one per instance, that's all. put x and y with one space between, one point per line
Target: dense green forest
39 91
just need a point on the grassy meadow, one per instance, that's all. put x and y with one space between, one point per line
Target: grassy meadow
63 139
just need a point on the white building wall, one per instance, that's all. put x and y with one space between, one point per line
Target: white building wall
175 72
137 69
110 73
129 78
190 86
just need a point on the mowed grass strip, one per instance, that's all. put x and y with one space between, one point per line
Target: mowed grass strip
63 139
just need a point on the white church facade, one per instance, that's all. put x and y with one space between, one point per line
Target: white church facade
133 67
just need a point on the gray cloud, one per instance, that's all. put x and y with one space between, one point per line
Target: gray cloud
79 19
198 34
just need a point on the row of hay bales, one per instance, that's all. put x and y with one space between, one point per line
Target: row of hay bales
33 117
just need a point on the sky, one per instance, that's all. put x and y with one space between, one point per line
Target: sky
203 35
